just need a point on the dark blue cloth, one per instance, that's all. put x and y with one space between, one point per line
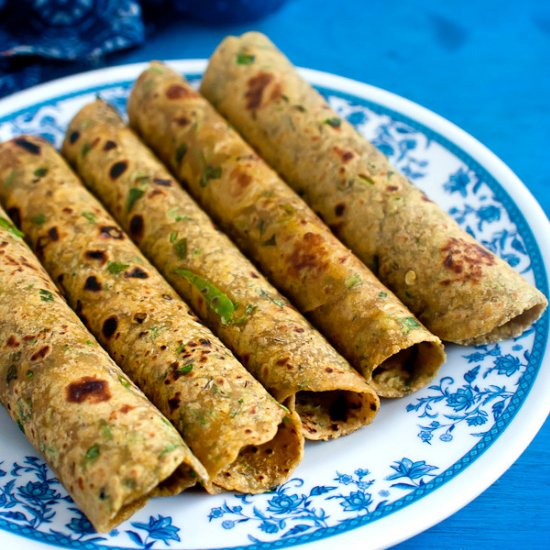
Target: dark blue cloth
38 38
45 39
70 30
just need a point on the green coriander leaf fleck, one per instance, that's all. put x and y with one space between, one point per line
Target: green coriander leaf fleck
169 448
92 453
24 409
133 196
124 382
283 407
333 122
272 299
39 219
10 228
180 248
180 152
186 369
176 216
245 58
90 216
154 332
353 281
219 302
210 173
106 431
366 179
116 267
46 295
140 177
249 310
409 323
40 172
11 374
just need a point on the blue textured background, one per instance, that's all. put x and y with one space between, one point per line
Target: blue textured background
483 65
486 67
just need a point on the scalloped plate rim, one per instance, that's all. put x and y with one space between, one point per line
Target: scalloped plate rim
499 456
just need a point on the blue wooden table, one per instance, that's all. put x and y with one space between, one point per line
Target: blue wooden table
486 67
483 65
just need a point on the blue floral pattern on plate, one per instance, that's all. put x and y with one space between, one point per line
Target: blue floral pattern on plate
441 429
32 498
289 511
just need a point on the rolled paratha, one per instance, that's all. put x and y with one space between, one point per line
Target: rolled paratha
243 437
361 317
458 288
276 344
108 445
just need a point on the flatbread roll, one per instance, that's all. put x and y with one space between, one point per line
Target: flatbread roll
360 316
277 345
107 444
246 441
460 290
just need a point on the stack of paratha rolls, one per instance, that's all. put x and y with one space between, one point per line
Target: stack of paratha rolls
277 345
361 317
458 288
108 445
243 437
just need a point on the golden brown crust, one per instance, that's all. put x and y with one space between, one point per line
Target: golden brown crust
276 344
182 367
276 228
460 290
106 442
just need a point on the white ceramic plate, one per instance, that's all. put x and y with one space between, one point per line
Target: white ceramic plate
423 458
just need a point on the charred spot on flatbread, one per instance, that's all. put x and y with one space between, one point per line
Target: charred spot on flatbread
109 327
92 284
110 232
465 260
88 389
256 86
136 273
118 168
28 146
136 226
